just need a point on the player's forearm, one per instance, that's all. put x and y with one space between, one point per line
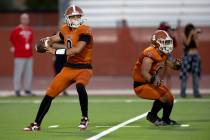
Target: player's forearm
58 46
146 75
72 51
145 69
76 50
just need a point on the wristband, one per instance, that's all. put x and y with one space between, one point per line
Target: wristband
60 52
152 79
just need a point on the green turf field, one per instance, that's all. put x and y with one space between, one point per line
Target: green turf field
104 113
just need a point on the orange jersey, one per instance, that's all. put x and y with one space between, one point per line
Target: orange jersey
85 57
158 60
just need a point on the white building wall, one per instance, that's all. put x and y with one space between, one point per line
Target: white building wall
145 13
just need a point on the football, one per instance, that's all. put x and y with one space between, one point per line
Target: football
40 47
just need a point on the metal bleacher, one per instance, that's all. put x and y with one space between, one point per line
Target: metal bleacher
145 13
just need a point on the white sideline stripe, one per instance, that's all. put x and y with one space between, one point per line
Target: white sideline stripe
137 100
127 126
103 133
4 93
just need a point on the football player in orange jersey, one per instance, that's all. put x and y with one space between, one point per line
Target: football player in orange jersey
147 83
78 43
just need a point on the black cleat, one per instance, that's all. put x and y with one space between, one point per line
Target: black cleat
84 123
153 119
32 127
169 122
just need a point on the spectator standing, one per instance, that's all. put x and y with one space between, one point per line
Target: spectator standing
191 61
21 39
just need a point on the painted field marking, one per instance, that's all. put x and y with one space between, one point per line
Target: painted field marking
103 133
123 124
184 125
37 101
53 126
105 92
127 126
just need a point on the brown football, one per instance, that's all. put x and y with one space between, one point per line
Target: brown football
40 47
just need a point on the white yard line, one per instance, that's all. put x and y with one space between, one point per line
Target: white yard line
106 132
184 125
127 126
53 126
123 124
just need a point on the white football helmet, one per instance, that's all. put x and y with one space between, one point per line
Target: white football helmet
163 41
70 14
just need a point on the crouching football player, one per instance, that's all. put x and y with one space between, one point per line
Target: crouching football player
78 42
147 83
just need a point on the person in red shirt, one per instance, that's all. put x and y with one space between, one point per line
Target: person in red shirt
21 38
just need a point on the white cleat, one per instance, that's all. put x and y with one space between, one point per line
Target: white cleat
84 123
32 127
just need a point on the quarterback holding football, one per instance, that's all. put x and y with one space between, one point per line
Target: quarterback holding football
78 44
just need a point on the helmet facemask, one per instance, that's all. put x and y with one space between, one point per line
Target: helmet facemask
73 22
163 41
166 45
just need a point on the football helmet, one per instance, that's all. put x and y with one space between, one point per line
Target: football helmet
163 41
73 16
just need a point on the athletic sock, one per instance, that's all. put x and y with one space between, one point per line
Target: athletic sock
167 108
157 106
43 109
83 99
